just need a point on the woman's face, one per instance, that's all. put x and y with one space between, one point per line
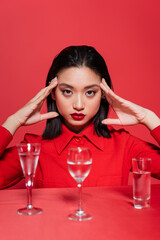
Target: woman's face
77 96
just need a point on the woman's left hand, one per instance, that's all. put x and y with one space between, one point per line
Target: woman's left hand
128 113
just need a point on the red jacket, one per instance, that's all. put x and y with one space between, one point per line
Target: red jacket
111 157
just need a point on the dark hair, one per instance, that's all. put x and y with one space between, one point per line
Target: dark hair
77 56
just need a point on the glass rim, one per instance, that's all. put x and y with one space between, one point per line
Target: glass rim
141 159
26 144
78 148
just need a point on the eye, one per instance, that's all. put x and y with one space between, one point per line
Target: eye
90 93
67 92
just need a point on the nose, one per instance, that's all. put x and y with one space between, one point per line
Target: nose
78 103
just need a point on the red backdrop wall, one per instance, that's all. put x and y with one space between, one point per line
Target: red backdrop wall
126 33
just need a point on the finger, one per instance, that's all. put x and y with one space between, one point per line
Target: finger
46 91
109 121
105 84
49 115
49 88
109 94
52 83
43 94
106 93
106 88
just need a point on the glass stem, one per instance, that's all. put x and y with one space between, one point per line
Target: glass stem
80 208
29 183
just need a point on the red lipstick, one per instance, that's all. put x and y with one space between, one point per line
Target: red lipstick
77 116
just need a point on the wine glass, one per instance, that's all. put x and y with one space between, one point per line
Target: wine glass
29 154
79 164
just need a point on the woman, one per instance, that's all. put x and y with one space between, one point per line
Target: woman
78 92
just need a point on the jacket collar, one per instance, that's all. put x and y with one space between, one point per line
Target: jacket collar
64 139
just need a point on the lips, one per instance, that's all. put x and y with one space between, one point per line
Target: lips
77 116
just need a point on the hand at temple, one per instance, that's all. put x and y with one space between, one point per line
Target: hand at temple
127 112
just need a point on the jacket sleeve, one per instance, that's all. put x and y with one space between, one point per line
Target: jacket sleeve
156 134
10 168
5 139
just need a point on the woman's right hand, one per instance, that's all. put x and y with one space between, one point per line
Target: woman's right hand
30 113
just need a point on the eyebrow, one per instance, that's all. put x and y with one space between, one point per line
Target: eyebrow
69 86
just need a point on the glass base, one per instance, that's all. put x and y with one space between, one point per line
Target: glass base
139 204
29 211
79 216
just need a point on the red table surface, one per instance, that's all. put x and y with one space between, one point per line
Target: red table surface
114 216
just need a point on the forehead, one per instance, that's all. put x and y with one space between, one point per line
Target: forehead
78 75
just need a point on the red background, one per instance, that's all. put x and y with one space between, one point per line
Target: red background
126 33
